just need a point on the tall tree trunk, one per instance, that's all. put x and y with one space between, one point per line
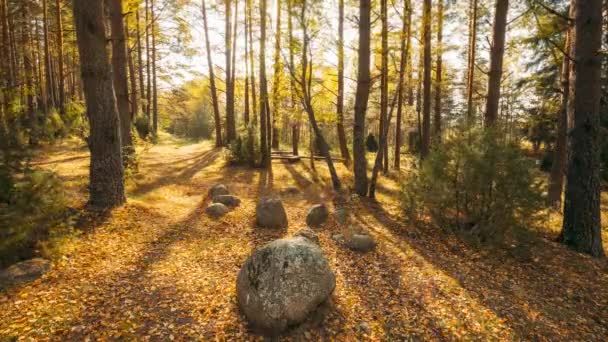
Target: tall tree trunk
384 81
276 82
252 61
132 76
60 73
119 68
406 40
496 60
28 68
305 83
295 128
426 105
439 71
471 61
246 27
230 123
234 40
106 188
263 89
154 76
582 222
216 106
148 66
47 54
362 97
140 63
560 155
340 101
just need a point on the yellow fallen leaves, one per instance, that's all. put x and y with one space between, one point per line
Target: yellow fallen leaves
159 269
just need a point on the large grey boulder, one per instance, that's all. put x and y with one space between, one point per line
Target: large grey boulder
270 213
217 210
218 189
227 200
317 215
24 271
282 283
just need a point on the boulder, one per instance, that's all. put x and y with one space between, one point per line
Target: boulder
317 215
283 283
270 213
217 210
361 242
227 200
218 189
24 271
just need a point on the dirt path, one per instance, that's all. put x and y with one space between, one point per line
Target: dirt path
158 267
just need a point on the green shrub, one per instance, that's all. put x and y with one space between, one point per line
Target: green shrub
475 182
35 205
142 125
244 150
371 143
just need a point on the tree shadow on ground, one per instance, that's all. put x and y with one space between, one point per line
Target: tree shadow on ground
127 296
177 174
547 297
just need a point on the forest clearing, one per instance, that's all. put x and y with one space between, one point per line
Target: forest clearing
159 268
303 170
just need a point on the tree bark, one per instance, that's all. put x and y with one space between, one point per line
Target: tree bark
148 66
406 41
496 60
154 76
384 82
560 155
230 123
362 97
582 222
426 105
295 128
214 99
132 76
263 89
28 68
276 82
307 103
439 71
47 55
340 100
471 61
106 188
119 68
60 66
246 28
140 63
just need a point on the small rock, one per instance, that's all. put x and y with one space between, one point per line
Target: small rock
361 243
308 234
227 200
317 215
24 271
270 213
341 215
218 189
217 210
339 238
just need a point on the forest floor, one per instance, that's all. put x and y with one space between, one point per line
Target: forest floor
159 267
